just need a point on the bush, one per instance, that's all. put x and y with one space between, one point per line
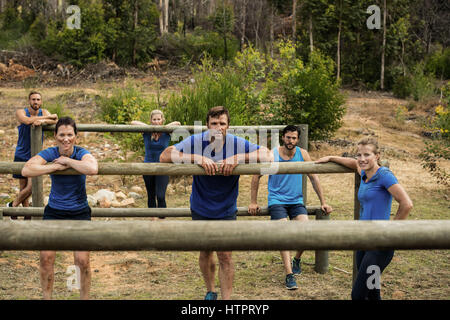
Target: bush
122 106
402 87
439 64
309 94
230 86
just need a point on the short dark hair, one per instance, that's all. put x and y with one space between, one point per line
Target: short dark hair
66 121
34 92
216 112
291 128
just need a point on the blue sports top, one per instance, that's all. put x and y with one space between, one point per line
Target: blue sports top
23 149
285 188
215 196
68 192
154 148
374 198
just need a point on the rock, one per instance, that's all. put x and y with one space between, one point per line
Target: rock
136 189
4 196
127 202
105 203
92 200
104 194
134 195
120 195
115 204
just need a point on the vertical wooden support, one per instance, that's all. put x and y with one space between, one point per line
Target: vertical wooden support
356 208
303 143
37 187
321 256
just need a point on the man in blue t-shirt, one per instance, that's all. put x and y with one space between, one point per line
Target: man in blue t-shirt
214 196
33 115
286 195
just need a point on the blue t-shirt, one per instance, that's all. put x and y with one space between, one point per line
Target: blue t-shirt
68 192
215 196
285 188
154 148
23 149
374 198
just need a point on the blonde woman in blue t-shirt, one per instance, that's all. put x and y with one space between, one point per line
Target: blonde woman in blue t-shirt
378 186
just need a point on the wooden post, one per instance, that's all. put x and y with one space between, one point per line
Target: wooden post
356 208
37 189
321 256
303 143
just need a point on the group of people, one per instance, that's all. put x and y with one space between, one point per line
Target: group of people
214 195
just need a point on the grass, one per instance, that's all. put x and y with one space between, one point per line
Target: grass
154 275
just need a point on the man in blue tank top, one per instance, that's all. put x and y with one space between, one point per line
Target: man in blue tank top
286 195
33 115
214 196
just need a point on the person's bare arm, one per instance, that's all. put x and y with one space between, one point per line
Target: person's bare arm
253 208
405 204
87 165
316 185
347 162
37 166
138 123
172 155
46 118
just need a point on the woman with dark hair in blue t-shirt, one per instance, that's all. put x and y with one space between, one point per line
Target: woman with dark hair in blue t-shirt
155 143
67 200
378 186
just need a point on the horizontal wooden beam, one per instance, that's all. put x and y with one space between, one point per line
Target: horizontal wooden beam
192 129
172 169
224 235
137 212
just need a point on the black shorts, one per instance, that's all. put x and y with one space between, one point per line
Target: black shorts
55 214
19 176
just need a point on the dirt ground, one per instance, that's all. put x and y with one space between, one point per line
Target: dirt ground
415 274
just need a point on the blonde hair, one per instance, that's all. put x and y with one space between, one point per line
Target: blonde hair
157 111
373 142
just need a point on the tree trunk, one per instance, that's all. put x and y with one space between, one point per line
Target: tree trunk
294 20
161 17
135 22
225 48
383 47
272 36
243 23
166 16
311 41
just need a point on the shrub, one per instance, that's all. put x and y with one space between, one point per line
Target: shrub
402 87
308 93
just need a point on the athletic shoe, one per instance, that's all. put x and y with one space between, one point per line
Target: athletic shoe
291 284
211 296
296 266
9 205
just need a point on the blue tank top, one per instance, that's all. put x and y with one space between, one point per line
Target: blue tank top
23 149
285 188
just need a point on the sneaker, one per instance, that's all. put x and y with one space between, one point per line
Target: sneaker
296 266
10 205
211 296
291 284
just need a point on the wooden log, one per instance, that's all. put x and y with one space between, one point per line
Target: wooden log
37 187
132 128
139 212
107 168
224 235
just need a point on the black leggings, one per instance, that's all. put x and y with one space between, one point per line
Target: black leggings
365 262
156 190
